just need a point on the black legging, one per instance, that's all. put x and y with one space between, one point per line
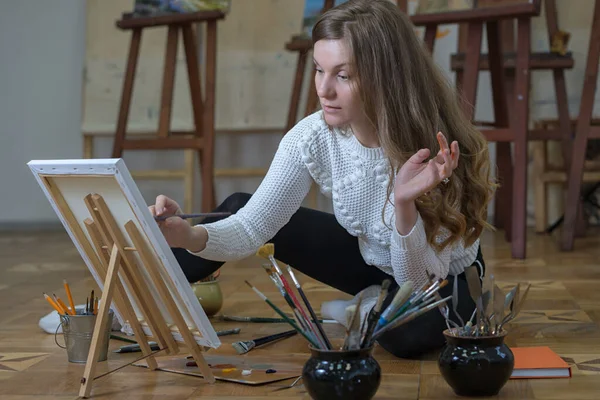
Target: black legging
314 243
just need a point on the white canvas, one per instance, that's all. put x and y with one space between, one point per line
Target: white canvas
111 179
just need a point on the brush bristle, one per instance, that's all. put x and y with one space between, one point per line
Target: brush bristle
249 284
268 268
243 347
266 250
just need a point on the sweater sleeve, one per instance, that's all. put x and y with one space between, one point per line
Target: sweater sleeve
412 257
277 198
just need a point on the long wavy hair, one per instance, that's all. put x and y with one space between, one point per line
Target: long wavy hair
407 99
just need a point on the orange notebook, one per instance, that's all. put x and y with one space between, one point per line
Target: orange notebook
539 362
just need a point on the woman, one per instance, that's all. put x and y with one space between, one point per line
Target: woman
402 205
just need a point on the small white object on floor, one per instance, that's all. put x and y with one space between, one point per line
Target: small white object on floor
51 321
246 372
336 310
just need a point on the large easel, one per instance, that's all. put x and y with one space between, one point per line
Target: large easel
118 269
201 139
583 132
511 119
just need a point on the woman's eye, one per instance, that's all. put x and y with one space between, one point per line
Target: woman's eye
319 70
343 77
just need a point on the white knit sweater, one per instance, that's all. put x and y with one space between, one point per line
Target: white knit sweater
355 178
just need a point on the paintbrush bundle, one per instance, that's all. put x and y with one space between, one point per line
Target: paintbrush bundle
493 308
404 307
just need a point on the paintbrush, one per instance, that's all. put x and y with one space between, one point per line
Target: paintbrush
375 313
267 251
189 216
408 316
242 347
299 317
278 311
352 341
401 296
309 308
263 320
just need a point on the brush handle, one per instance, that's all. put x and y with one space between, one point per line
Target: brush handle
272 338
314 317
371 322
187 216
292 323
294 299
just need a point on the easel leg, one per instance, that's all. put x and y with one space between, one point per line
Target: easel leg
521 111
296 89
120 296
584 121
132 58
101 321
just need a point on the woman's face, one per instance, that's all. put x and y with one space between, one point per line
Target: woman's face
336 87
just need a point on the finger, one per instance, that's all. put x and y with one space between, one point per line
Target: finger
161 202
152 210
419 156
446 169
439 158
455 153
442 141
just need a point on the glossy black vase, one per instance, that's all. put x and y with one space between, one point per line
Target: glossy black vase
476 366
333 374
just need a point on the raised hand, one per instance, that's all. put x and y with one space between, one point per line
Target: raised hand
417 177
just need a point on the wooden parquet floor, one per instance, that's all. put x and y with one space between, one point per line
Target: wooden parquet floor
562 311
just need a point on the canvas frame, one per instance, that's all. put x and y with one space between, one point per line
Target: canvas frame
65 184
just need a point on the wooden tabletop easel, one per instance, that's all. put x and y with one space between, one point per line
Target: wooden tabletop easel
202 138
117 267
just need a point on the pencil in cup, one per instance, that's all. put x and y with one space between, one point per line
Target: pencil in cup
69 296
278 311
62 305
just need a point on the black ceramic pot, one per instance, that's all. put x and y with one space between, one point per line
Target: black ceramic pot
337 374
476 366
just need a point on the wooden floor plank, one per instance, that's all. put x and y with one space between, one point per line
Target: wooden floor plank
562 311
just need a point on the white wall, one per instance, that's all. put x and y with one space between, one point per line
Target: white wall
42 47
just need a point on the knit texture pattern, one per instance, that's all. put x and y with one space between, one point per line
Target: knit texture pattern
355 178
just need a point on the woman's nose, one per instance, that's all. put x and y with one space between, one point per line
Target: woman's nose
324 88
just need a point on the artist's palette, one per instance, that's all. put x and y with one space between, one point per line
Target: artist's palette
231 368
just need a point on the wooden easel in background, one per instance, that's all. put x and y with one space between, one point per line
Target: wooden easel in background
202 138
583 132
117 267
507 128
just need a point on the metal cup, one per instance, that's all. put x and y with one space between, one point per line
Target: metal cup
78 330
